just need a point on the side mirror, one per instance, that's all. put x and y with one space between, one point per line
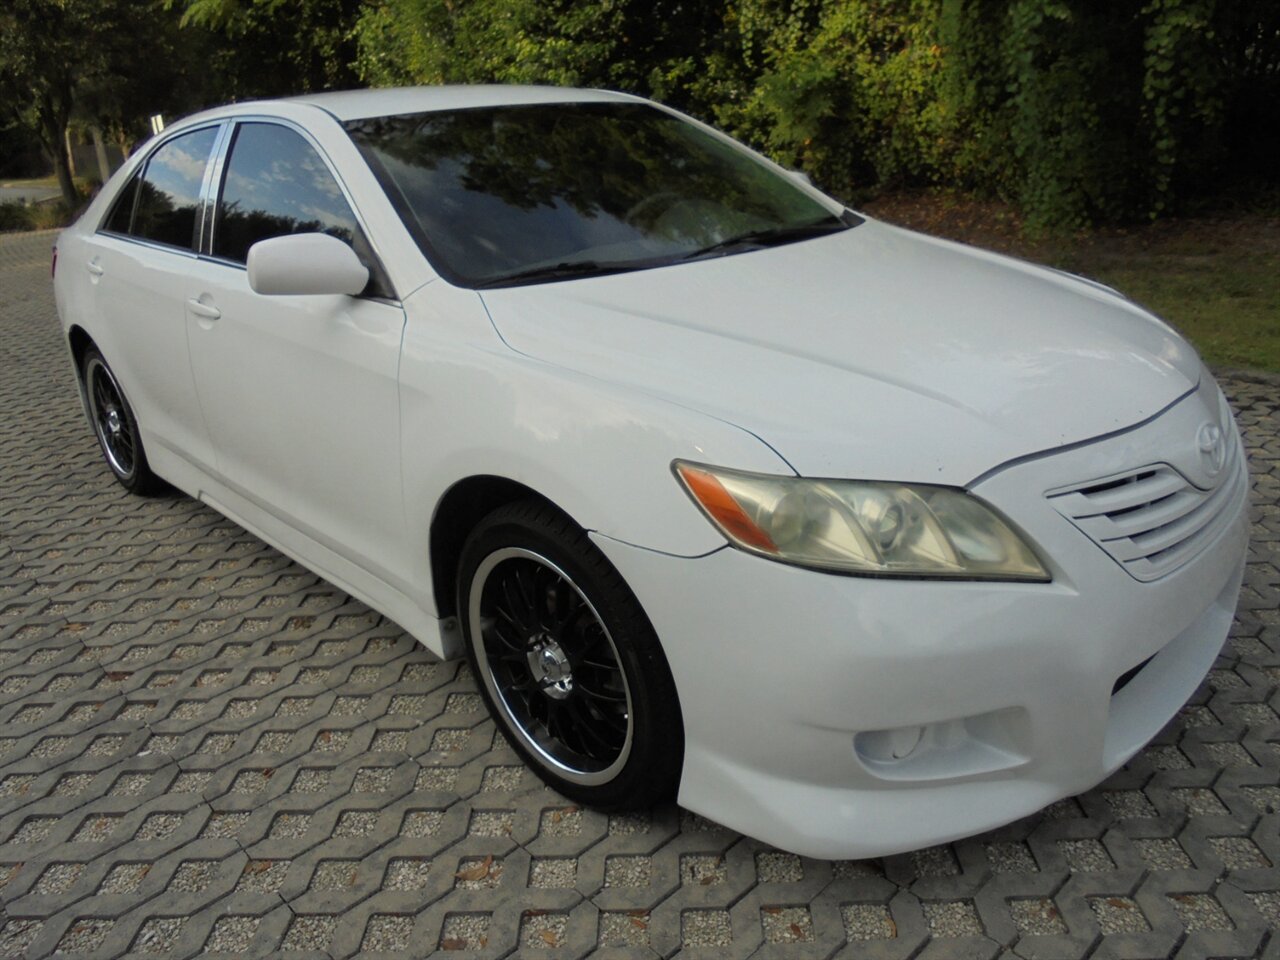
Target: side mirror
305 263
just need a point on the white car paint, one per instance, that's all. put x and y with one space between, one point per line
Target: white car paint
313 264
333 427
1036 662
828 348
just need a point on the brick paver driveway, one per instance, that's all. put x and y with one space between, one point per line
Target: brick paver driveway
205 747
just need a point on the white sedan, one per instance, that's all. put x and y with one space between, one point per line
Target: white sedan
851 539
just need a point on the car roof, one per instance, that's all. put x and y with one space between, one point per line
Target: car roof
388 101
346 105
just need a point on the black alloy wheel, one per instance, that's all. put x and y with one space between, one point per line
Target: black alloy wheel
567 661
115 426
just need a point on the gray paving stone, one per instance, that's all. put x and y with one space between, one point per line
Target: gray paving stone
204 747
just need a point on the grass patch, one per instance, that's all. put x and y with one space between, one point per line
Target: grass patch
50 181
1227 302
1217 280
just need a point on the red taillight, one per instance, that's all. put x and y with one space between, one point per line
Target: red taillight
53 267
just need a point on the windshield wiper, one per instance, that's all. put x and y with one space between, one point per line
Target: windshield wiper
560 271
569 269
771 237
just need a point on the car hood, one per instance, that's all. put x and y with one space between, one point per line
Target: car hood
874 353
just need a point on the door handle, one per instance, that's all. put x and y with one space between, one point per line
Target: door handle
94 269
204 310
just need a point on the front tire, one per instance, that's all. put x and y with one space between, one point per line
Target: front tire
567 660
115 426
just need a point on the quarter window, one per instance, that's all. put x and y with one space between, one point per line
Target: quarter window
122 212
276 184
169 191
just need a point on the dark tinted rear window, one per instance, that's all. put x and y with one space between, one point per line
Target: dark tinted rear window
169 197
122 212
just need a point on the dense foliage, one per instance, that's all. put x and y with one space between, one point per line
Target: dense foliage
269 48
1076 110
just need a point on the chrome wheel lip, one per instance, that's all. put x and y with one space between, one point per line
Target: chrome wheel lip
475 624
109 424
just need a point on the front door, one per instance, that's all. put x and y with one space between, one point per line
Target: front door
299 393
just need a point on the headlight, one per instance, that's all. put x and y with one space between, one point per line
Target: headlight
856 526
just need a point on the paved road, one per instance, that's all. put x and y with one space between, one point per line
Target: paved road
27 194
204 747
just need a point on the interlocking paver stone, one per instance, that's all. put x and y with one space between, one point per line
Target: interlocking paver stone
205 747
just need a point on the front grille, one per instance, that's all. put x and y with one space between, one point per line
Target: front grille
1152 520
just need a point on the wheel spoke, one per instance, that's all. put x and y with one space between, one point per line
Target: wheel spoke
520 686
605 712
528 594
542 586
565 630
599 694
589 726
498 631
585 741
517 602
501 611
507 657
563 605
560 726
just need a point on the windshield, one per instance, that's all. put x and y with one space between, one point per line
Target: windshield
499 196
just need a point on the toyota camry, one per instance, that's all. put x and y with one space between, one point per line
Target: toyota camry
848 538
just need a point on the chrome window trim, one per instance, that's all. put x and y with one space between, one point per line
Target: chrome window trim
209 187
149 244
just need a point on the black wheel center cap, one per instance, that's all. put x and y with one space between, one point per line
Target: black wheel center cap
550 667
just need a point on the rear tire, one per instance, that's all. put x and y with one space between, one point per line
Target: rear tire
567 661
115 426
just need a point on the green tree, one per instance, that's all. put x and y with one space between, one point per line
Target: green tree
653 47
1076 110
850 92
270 48
100 61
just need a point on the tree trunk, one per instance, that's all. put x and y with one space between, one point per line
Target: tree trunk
71 152
62 167
53 134
100 149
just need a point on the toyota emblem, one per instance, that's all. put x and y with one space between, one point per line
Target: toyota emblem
1213 448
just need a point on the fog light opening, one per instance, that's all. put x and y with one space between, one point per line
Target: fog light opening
889 745
948 749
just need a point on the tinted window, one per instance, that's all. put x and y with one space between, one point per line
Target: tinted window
276 184
122 212
169 192
497 194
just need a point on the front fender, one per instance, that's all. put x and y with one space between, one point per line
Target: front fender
601 452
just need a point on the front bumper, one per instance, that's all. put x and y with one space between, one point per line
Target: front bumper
798 688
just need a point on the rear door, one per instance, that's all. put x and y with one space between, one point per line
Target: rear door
138 265
299 393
